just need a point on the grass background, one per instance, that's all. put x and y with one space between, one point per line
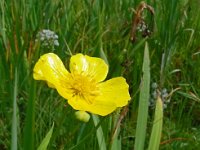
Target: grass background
28 108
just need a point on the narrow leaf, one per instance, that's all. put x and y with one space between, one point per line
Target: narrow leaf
14 119
99 133
30 119
143 103
45 141
157 126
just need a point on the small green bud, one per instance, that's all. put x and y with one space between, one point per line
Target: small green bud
82 116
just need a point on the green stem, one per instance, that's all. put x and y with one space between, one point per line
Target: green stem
14 118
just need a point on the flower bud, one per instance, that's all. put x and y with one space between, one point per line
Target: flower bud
82 116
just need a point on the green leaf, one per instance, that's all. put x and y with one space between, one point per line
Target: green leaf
103 56
157 126
28 139
115 143
100 136
45 141
143 103
15 115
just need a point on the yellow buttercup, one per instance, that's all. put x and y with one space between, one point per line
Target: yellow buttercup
83 86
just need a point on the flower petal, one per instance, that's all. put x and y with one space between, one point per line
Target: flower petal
50 68
94 67
102 108
114 93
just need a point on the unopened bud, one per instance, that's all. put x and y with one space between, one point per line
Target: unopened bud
82 116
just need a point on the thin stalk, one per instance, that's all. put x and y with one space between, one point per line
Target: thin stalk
14 118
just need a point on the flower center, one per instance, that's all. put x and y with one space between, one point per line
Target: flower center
83 87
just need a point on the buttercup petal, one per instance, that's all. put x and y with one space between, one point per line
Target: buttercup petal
93 67
113 93
64 88
51 69
102 108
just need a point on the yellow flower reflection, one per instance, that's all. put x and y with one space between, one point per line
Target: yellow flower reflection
83 86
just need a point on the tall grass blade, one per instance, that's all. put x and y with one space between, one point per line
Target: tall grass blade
116 144
14 119
2 23
157 126
143 103
45 141
30 120
99 133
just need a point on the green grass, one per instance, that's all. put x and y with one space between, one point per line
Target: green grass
28 108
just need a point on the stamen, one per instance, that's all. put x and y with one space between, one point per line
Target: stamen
83 87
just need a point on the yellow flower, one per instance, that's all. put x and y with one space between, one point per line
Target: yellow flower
83 86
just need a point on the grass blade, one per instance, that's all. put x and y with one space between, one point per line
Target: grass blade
115 142
14 119
45 141
30 119
157 126
100 136
143 103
